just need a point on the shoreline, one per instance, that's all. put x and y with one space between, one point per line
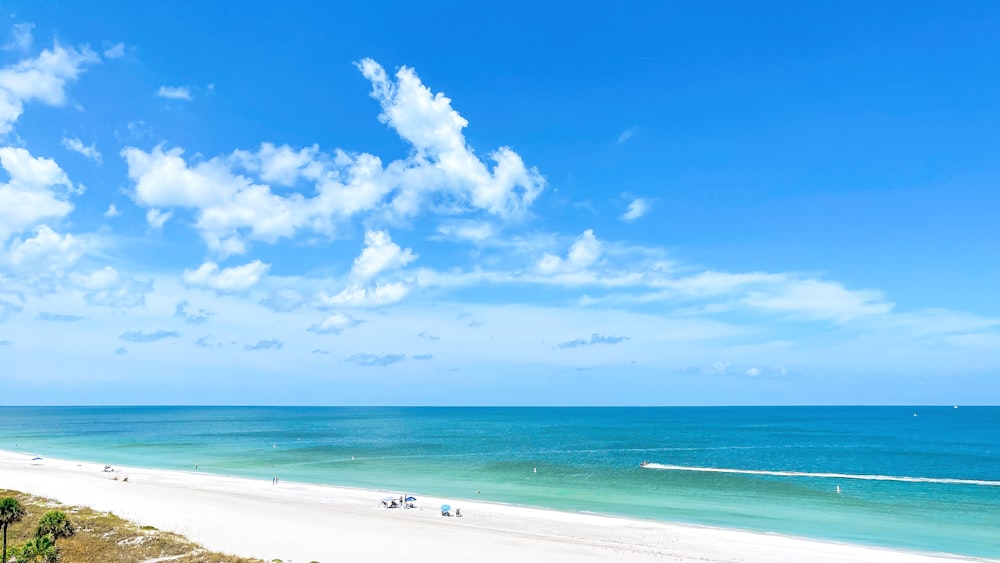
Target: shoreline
298 522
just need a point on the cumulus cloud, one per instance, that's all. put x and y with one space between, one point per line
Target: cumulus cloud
175 92
594 339
140 336
583 254
375 360
358 296
380 254
190 314
234 201
42 78
112 212
46 251
272 344
237 278
107 288
636 208
37 191
752 372
282 165
428 122
335 324
55 317
88 151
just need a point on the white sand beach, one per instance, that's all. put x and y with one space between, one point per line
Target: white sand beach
300 523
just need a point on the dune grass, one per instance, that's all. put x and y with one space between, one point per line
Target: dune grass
104 537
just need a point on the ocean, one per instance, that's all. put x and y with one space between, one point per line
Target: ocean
917 478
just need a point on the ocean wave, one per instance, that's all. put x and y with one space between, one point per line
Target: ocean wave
898 478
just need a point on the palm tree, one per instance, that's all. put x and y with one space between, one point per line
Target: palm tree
56 524
10 512
40 550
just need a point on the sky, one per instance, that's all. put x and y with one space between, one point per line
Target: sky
452 203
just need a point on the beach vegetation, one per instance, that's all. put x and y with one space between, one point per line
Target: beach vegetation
10 511
41 549
97 537
56 524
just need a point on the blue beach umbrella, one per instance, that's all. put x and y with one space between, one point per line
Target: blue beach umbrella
411 499
445 508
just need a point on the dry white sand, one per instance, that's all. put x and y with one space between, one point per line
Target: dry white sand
300 523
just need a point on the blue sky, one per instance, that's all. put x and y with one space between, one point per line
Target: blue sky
446 203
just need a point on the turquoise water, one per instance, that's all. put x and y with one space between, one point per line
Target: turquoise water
588 459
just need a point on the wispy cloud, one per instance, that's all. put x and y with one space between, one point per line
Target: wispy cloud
636 208
626 135
370 360
272 344
422 357
594 339
140 336
428 336
121 351
20 37
57 317
89 151
190 314
175 92
335 324
115 52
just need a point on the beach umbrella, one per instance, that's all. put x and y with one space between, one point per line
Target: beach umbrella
411 499
445 508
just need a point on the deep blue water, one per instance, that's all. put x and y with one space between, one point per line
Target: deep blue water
588 459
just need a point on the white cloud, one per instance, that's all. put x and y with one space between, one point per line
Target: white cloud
626 135
20 37
157 218
30 196
112 212
107 288
637 208
281 165
237 278
583 254
752 372
174 92
822 300
335 324
77 146
360 296
380 254
235 202
472 231
443 157
47 251
42 78
115 52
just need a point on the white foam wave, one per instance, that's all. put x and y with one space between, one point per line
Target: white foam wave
903 479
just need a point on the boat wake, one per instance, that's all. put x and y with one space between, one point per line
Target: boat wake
944 481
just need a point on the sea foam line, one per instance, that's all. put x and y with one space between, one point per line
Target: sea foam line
945 481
